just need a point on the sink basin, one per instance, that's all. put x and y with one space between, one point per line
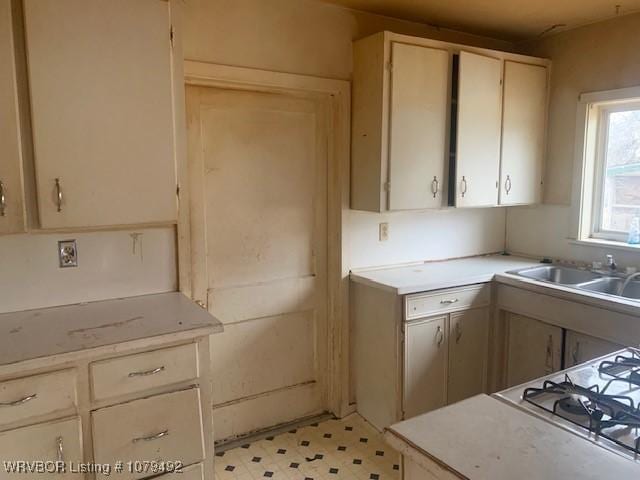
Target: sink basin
612 286
556 274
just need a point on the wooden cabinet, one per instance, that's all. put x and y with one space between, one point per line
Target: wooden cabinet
534 349
12 213
479 110
580 348
100 78
523 133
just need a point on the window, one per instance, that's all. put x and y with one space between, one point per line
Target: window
610 164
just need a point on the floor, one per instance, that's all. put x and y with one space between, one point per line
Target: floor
347 449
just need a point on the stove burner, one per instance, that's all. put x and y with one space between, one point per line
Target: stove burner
575 404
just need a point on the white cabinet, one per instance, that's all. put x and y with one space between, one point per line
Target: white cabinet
523 133
12 214
580 348
479 120
534 349
100 78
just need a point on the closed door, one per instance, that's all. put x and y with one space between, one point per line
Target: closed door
534 349
425 368
258 167
478 130
468 343
580 348
419 103
523 133
102 113
11 194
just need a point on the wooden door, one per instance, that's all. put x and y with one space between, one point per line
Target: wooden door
580 348
425 366
258 167
523 133
478 130
468 353
419 104
12 217
534 349
101 100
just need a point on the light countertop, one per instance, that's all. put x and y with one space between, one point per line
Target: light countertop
45 332
483 438
444 274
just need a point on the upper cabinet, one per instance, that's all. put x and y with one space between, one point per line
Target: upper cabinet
12 213
100 79
437 124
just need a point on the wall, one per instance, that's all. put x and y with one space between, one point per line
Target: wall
313 38
601 56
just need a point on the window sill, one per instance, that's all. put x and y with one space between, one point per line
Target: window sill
596 242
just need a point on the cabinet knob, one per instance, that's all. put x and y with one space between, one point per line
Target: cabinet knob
3 200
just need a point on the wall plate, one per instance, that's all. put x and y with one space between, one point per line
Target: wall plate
67 253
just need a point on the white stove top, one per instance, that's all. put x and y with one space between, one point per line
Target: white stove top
598 400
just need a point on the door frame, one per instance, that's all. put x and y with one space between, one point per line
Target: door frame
338 96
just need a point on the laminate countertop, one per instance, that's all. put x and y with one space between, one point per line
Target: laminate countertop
443 274
483 438
34 334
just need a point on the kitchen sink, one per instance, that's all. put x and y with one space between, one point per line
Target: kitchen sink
557 274
612 286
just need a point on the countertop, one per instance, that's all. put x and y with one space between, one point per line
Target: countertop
484 438
444 274
45 332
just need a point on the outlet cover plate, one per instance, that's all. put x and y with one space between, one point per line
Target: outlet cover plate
68 253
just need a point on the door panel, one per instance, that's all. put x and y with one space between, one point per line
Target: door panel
258 196
534 349
468 344
479 127
523 133
419 102
580 348
425 374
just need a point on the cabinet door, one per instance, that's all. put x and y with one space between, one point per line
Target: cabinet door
468 343
425 375
478 131
419 103
101 99
523 133
534 349
11 193
580 348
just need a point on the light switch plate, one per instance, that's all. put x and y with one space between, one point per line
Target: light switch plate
383 233
67 253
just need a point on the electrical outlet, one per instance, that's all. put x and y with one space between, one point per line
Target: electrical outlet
383 232
67 253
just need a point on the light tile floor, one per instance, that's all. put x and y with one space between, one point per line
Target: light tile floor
347 449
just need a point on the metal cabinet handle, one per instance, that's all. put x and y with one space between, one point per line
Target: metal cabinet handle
3 200
507 184
434 186
549 359
147 372
575 355
59 194
458 332
449 302
21 401
464 186
60 444
155 436
439 336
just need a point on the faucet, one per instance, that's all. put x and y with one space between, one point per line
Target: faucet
611 263
627 282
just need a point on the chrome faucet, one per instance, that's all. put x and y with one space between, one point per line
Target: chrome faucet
611 263
627 282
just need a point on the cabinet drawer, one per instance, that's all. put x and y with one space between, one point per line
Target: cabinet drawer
37 395
143 371
424 304
51 441
166 427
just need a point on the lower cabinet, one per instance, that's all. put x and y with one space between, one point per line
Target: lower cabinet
580 348
534 349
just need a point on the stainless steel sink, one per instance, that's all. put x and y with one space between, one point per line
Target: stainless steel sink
559 275
613 286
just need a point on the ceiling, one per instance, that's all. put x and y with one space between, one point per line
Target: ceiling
511 20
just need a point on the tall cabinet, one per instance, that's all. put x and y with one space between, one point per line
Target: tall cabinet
12 212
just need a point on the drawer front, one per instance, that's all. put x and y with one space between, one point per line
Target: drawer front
162 428
51 441
434 303
28 397
143 371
